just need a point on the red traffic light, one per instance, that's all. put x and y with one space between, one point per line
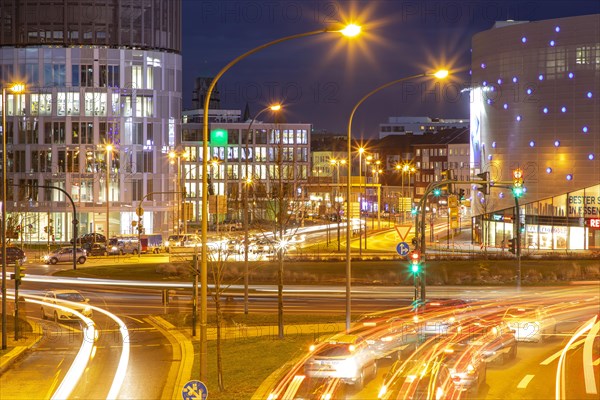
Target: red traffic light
415 256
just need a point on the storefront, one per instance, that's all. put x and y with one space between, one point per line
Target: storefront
566 222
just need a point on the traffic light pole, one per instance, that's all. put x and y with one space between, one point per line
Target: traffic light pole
517 225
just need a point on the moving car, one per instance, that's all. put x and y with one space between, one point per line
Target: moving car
124 245
13 254
343 356
183 240
68 298
530 323
388 334
65 254
497 340
418 379
466 366
440 317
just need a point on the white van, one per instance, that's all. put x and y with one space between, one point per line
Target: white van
124 245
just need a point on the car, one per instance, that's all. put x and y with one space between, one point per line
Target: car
97 249
441 317
65 254
183 240
530 323
91 238
466 366
68 298
388 334
343 356
14 254
418 379
498 342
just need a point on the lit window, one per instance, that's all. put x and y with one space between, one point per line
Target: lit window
136 77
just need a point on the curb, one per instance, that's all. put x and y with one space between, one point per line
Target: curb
267 385
17 352
182 360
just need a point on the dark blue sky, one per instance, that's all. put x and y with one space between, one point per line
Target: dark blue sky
321 77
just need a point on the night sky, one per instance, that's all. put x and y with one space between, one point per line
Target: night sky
320 78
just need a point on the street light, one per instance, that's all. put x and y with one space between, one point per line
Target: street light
16 88
361 150
274 108
349 31
336 164
438 74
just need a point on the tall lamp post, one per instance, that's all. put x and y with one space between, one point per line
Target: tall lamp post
176 156
336 164
247 183
109 149
361 150
349 31
439 75
15 88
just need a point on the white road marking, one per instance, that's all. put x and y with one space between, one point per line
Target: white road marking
588 368
558 353
525 381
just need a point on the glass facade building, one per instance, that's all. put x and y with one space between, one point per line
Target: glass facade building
96 74
535 106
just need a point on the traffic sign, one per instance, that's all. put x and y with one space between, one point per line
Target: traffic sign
403 248
452 201
403 231
194 390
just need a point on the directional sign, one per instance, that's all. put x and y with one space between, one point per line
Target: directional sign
403 231
194 390
402 248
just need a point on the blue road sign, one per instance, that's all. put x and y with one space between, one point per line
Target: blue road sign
402 248
194 390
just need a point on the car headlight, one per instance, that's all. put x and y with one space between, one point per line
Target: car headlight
87 309
382 391
114 248
167 243
470 369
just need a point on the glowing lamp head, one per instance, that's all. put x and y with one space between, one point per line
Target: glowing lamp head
109 148
275 107
441 74
361 150
351 30
17 88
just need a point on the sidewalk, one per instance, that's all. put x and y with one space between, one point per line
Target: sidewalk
16 348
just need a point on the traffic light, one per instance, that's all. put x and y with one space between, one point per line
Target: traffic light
484 187
414 211
461 194
415 262
522 227
437 192
512 245
517 188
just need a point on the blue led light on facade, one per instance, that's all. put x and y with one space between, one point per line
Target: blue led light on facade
490 157
548 170
489 101
591 156
557 29
531 144
484 83
499 81
571 75
505 106
563 109
492 88
518 118
529 91
515 80
545 110
501 195
589 95
556 143
523 39
493 145
584 129
570 177
541 77
483 65
552 43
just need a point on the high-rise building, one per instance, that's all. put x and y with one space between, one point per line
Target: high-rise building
99 75
535 106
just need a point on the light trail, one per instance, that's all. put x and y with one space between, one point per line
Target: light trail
560 391
588 367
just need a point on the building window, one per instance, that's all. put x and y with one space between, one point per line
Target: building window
149 77
136 77
54 75
109 76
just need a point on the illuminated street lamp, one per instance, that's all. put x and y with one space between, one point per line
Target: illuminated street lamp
349 31
16 88
439 75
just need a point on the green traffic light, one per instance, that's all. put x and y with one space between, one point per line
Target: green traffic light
437 192
414 268
413 211
517 192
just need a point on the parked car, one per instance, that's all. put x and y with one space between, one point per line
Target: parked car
124 245
343 356
230 225
13 254
65 254
90 238
183 240
97 249
68 298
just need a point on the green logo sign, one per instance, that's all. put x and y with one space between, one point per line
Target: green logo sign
218 137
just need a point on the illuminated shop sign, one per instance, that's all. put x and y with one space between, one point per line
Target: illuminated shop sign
594 223
584 205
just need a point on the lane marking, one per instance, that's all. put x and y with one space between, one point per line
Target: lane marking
525 381
558 353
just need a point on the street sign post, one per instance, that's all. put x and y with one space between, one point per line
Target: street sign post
403 248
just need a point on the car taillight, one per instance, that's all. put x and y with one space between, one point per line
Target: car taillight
456 378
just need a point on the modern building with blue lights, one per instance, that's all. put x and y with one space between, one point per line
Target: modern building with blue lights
535 106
